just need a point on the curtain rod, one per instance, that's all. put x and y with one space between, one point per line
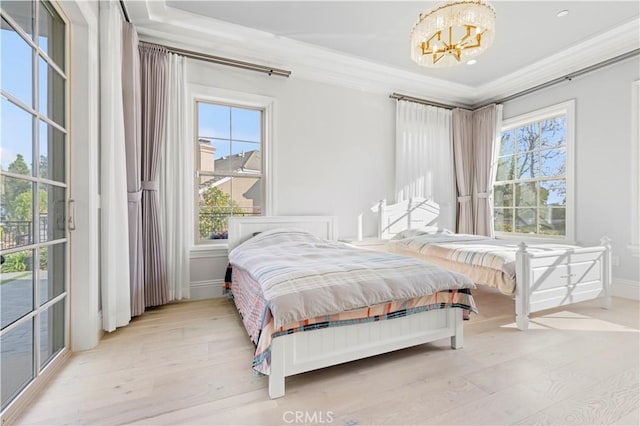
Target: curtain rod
402 97
216 59
567 77
124 11
229 62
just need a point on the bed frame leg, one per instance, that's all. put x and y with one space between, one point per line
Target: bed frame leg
276 374
605 301
276 386
455 319
522 322
523 287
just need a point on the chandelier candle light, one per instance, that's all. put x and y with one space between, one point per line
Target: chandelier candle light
453 33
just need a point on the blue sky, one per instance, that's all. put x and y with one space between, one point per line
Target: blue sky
16 79
239 129
16 134
552 143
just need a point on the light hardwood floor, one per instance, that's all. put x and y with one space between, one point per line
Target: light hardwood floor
190 364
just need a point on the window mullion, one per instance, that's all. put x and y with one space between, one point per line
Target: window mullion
538 177
18 29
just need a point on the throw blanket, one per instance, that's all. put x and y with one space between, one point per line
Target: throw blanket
303 276
476 250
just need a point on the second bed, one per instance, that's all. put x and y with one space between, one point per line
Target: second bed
541 275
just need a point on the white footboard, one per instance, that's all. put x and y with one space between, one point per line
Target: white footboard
551 279
299 352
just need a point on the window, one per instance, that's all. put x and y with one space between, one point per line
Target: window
230 164
533 185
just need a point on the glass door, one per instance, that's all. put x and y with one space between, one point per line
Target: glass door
33 192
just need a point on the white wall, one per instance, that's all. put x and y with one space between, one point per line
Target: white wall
603 159
333 153
333 147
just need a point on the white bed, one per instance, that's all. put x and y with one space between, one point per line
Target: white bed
300 352
543 280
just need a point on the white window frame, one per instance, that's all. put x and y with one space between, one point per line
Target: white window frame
568 110
206 94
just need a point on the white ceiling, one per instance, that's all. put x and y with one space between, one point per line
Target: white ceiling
530 38
526 31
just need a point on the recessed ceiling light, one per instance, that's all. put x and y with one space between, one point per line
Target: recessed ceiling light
562 13
471 61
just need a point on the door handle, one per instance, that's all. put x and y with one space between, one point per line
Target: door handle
71 223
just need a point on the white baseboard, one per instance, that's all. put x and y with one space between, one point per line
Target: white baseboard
627 289
207 289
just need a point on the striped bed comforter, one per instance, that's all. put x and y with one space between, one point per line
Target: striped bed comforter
448 249
302 276
308 283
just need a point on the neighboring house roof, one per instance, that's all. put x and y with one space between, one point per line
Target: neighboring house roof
245 162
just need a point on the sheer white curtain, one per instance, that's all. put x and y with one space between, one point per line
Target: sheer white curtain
175 183
424 158
114 256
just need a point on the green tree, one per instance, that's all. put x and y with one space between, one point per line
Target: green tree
23 204
19 166
44 167
13 187
215 209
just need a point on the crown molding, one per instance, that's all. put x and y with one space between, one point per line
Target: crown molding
155 21
618 41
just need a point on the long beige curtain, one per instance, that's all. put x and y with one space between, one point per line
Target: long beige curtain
154 88
133 144
486 131
462 121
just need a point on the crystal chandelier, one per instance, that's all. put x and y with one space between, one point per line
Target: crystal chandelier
453 33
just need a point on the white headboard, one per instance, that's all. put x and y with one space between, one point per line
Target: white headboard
243 228
411 214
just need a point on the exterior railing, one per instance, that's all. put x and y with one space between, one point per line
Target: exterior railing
214 225
18 233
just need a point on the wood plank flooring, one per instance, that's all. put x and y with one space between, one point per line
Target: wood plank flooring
190 364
